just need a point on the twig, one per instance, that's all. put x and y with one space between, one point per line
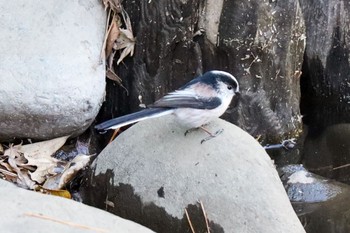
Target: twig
8 173
205 216
107 30
114 135
189 221
65 222
342 166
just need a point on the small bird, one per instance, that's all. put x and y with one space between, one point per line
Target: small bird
195 104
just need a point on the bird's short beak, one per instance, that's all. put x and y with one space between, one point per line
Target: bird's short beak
238 93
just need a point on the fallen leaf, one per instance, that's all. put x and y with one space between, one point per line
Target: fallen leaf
113 76
128 50
77 164
8 175
39 155
6 165
113 4
126 39
23 179
113 34
59 181
60 193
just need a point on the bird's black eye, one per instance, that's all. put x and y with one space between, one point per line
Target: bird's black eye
229 87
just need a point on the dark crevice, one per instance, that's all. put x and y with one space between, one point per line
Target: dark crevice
325 88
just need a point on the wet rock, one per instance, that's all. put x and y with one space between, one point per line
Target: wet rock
321 204
31 212
151 173
52 78
303 186
325 154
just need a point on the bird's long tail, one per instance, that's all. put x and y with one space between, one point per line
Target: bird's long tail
148 113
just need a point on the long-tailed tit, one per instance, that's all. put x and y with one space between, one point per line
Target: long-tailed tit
195 104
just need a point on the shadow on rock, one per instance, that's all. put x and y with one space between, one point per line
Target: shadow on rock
125 203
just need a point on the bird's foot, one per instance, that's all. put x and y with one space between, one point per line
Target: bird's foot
211 135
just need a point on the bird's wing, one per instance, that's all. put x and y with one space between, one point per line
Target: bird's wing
186 99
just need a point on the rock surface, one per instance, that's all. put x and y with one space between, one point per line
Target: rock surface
325 80
52 79
304 186
321 204
27 211
152 173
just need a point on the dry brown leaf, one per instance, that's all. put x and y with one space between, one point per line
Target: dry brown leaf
113 76
8 173
77 164
60 193
126 39
128 50
52 182
113 34
23 179
6 165
71 169
113 4
39 155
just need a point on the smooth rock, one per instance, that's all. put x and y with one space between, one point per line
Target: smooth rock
304 186
31 212
152 173
52 78
322 204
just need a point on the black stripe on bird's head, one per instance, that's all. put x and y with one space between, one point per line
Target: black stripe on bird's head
226 78
213 77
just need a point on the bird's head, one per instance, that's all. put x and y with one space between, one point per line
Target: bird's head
223 82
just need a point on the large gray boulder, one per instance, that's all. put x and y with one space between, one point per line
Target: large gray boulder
51 75
151 173
31 212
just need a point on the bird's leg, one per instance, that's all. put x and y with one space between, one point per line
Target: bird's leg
211 135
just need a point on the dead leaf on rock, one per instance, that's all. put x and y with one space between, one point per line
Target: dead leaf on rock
77 164
7 175
4 164
23 179
39 155
31 165
70 170
60 193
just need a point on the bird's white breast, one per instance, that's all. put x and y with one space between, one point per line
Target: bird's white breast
194 118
